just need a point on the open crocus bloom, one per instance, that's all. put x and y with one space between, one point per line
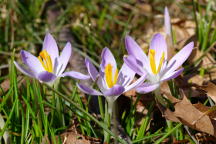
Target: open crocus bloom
155 65
48 66
110 82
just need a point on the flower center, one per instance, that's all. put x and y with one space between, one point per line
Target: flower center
110 79
45 60
153 63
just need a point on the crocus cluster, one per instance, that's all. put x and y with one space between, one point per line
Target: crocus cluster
111 83
155 67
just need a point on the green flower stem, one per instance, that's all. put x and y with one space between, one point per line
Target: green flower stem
159 97
112 115
110 102
114 119
107 122
86 113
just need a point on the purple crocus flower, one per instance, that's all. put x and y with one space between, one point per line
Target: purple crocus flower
110 82
155 65
48 66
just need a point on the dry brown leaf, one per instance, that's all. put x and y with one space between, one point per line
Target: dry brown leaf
191 115
205 109
73 138
211 90
5 85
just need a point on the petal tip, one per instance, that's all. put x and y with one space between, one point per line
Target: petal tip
127 37
158 35
166 10
69 44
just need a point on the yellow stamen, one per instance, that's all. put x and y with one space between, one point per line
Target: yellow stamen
152 61
109 76
161 62
45 60
115 77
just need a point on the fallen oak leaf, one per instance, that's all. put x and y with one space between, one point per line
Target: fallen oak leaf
210 89
186 113
207 112
204 109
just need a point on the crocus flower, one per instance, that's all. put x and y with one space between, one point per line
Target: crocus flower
110 82
155 65
48 66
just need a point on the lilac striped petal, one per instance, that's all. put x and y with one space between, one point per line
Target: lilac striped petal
91 69
134 64
46 76
167 22
107 58
102 84
158 43
24 70
166 69
147 87
116 90
88 90
134 49
172 75
76 75
31 61
126 75
181 57
137 83
51 47
64 58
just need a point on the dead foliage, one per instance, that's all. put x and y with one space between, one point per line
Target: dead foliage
196 116
210 88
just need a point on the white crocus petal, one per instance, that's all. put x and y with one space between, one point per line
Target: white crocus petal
107 58
64 58
49 44
125 76
172 75
181 56
102 84
136 83
24 70
88 90
158 44
31 62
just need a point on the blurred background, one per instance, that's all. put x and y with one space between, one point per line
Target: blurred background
90 25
